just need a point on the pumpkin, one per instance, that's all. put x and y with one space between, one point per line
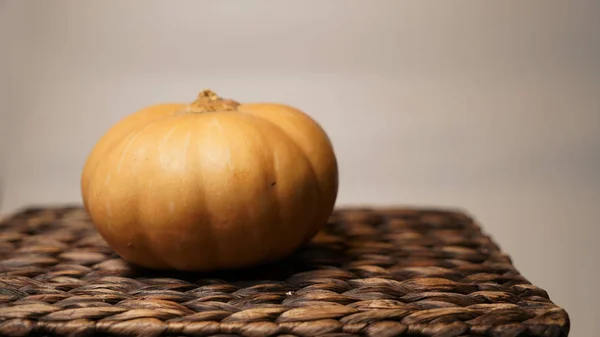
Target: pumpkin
213 184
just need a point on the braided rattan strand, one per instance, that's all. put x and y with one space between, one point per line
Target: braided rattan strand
383 272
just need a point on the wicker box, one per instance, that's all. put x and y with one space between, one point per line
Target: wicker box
371 272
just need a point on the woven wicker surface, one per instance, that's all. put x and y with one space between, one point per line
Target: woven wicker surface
394 272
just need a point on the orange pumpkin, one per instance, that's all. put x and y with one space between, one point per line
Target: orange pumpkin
214 184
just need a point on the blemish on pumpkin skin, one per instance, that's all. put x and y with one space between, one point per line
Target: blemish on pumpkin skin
107 180
108 209
124 154
228 158
164 141
276 161
240 175
171 206
214 122
186 146
210 155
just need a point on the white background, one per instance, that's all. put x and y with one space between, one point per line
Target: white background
492 107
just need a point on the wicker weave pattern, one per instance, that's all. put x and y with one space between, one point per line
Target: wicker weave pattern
395 272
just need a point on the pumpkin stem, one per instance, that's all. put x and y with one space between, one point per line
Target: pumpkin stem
208 101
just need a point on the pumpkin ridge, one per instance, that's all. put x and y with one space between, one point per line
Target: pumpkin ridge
91 171
305 156
101 150
269 142
130 137
141 236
